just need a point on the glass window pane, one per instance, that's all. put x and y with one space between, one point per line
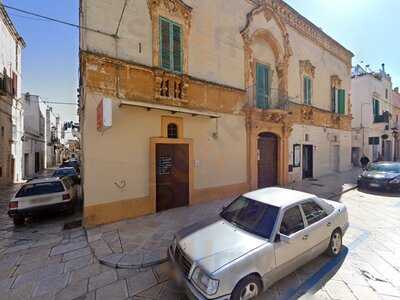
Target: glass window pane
313 212
292 221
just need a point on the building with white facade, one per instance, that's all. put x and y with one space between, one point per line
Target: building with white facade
11 106
372 115
35 136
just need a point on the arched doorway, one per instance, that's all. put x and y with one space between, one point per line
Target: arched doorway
267 147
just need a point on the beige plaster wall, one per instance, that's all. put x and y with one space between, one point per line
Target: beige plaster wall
325 65
123 151
323 142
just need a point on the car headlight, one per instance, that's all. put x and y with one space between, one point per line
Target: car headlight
205 282
395 181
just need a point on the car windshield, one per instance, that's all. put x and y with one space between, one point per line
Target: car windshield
253 216
40 189
391 168
64 172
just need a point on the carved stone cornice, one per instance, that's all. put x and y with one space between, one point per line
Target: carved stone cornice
309 30
336 82
173 7
306 67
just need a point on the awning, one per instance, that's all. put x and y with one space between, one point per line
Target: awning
172 109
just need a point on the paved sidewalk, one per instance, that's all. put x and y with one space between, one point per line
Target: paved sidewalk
143 242
330 186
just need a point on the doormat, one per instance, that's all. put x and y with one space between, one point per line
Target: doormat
72 225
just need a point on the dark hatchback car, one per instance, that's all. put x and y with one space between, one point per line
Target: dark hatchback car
68 172
382 176
72 163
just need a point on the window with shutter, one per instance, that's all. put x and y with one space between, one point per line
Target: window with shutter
342 102
307 89
170 45
262 86
376 108
333 99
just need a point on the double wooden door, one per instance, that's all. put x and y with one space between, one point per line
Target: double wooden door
172 176
267 160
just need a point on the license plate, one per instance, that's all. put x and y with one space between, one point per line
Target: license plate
40 201
374 185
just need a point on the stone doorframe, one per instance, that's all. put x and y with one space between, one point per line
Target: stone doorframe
272 122
152 171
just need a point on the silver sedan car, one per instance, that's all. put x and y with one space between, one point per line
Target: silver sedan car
261 237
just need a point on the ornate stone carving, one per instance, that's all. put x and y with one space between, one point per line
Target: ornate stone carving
275 117
336 82
282 51
306 67
177 11
170 86
307 113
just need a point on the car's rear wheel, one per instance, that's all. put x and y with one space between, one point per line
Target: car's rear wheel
248 288
335 244
18 220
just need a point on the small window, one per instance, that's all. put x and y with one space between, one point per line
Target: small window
386 93
292 221
2 131
1 172
172 131
313 212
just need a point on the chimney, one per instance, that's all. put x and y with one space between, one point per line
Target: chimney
396 89
383 68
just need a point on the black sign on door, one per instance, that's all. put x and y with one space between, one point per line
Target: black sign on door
172 176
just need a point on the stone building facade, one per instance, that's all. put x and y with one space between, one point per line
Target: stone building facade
373 118
11 106
34 147
209 99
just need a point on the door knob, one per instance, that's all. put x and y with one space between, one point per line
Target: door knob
305 237
329 224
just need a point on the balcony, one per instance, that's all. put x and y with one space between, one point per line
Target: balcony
383 118
275 99
169 86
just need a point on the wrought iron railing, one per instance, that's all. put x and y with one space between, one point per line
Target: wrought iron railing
272 99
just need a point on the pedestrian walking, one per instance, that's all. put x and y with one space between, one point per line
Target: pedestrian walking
364 160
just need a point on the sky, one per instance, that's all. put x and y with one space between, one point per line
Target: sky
368 28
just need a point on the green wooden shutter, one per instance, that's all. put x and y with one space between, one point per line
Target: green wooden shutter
376 107
333 100
177 47
261 86
307 90
342 102
165 44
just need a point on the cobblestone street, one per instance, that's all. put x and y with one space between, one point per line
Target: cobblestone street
44 260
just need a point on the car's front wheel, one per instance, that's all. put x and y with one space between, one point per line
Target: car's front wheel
248 288
18 220
335 244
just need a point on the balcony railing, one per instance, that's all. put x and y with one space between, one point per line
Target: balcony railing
273 99
383 118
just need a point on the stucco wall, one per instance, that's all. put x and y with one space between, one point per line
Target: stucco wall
123 151
323 141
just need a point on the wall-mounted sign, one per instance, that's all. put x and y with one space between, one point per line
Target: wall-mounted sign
296 155
104 114
165 165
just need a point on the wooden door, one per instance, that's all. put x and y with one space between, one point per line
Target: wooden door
172 176
308 161
267 160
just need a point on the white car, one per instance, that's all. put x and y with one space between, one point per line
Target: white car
42 195
261 237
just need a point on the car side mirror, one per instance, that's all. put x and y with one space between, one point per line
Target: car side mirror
282 238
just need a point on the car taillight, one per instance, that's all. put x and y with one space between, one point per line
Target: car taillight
13 204
66 197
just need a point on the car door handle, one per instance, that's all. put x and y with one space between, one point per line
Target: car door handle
329 224
305 237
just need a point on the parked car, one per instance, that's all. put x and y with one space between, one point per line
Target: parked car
383 176
42 195
72 163
68 172
261 237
